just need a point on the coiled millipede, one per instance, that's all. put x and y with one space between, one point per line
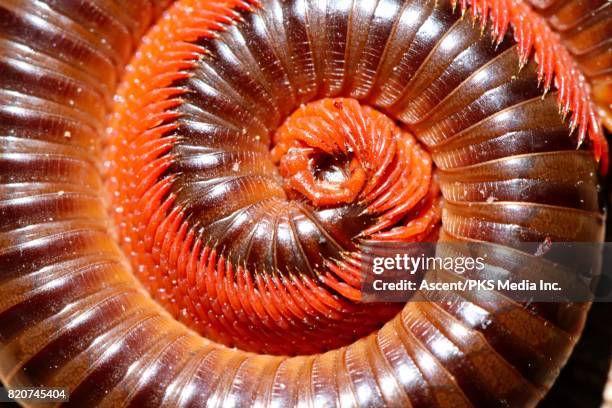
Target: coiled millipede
235 166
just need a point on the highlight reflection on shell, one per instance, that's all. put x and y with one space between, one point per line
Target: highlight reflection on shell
251 148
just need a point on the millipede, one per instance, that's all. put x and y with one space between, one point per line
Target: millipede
187 188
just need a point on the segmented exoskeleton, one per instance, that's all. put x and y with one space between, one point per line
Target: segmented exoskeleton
251 150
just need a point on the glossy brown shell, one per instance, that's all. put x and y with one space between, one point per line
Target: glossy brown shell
71 312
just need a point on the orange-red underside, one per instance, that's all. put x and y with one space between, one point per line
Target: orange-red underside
192 280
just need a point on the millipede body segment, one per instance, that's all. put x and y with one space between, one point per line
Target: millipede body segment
189 230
